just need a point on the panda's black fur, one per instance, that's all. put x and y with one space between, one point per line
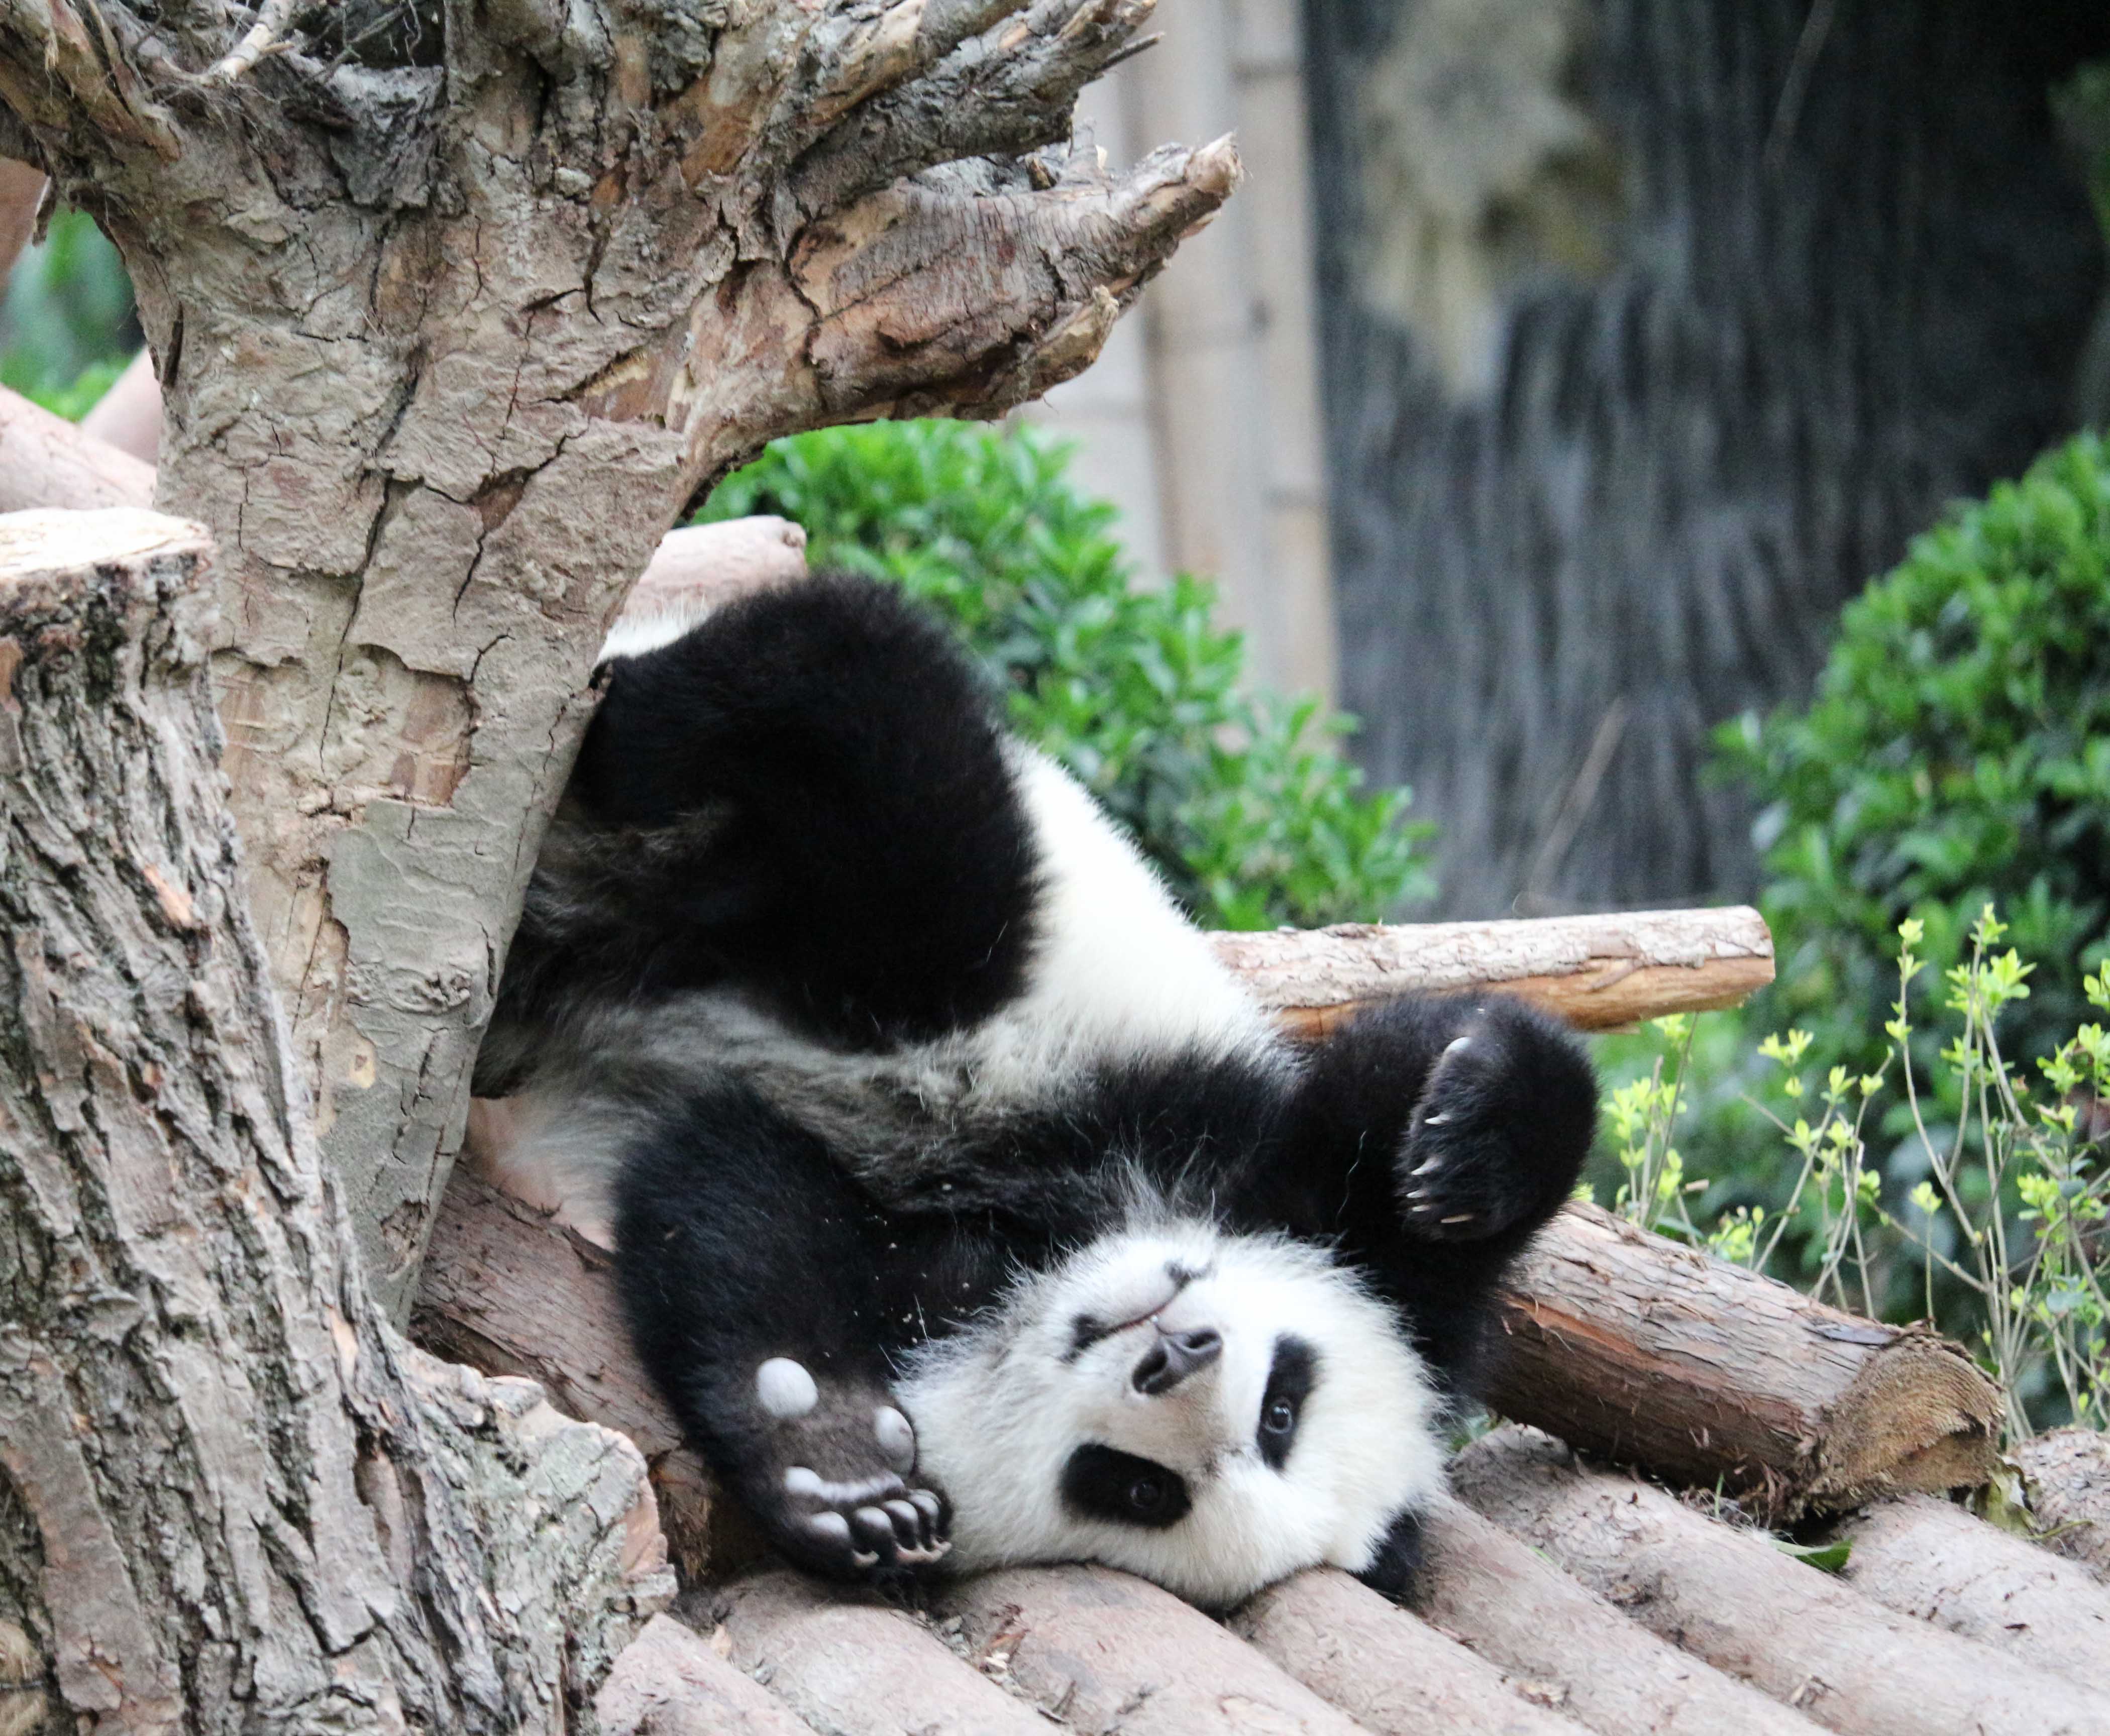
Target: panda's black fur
962 1202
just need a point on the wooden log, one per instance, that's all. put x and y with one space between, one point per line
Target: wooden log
45 461
1106 1652
128 415
669 1682
508 1291
1644 1352
1599 972
849 1665
1386 1668
1525 1616
1928 1558
1732 1598
2066 1476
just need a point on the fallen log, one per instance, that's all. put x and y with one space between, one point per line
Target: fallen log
1731 1597
1103 1651
1643 1352
669 1682
1525 1616
1926 1558
2066 1474
1599 972
847 1664
1390 1671
45 461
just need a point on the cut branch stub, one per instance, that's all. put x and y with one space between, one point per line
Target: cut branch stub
1599 972
234 1496
1646 1353
446 346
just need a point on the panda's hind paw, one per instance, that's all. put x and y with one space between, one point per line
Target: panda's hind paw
843 1504
853 1530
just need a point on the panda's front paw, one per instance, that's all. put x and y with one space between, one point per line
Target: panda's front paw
1488 1144
843 1503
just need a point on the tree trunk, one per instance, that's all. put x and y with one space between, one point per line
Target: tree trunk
1651 329
1731 1598
230 1495
1646 1353
453 317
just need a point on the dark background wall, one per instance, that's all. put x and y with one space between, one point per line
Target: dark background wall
1652 329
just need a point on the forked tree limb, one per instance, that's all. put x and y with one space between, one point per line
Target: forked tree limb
444 350
1644 1352
237 1498
1599 972
1732 1597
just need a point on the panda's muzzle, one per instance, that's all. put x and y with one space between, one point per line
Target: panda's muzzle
1174 1357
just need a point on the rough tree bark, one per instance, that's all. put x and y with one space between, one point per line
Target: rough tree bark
230 1495
452 313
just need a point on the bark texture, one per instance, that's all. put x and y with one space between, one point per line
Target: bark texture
847 1664
1646 1352
452 317
1928 1558
1733 1598
1110 1655
46 461
669 1682
2066 1476
1652 328
1391 1672
230 1496
1509 1604
1599 972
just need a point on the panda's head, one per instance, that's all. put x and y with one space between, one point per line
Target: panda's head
1211 1412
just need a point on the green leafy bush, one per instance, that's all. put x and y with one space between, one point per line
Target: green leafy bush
67 327
1242 801
1957 753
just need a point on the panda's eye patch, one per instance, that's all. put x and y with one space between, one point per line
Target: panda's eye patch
1101 1482
1290 1379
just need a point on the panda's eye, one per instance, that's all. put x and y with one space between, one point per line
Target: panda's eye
1103 1482
1291 1380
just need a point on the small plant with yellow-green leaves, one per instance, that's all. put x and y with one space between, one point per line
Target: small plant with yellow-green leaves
2017 1204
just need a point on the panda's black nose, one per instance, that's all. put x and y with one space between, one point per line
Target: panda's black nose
1174 1357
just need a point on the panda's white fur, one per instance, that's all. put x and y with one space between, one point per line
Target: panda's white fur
999 1410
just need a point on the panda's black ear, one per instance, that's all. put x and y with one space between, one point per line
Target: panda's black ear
1395 1567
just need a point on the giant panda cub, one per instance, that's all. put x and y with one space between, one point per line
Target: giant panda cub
967 1211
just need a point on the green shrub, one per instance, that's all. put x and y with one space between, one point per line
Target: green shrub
1957 754
67 329
1243 802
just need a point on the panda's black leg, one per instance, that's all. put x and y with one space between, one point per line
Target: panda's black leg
808 794
1435 1135
753 1274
